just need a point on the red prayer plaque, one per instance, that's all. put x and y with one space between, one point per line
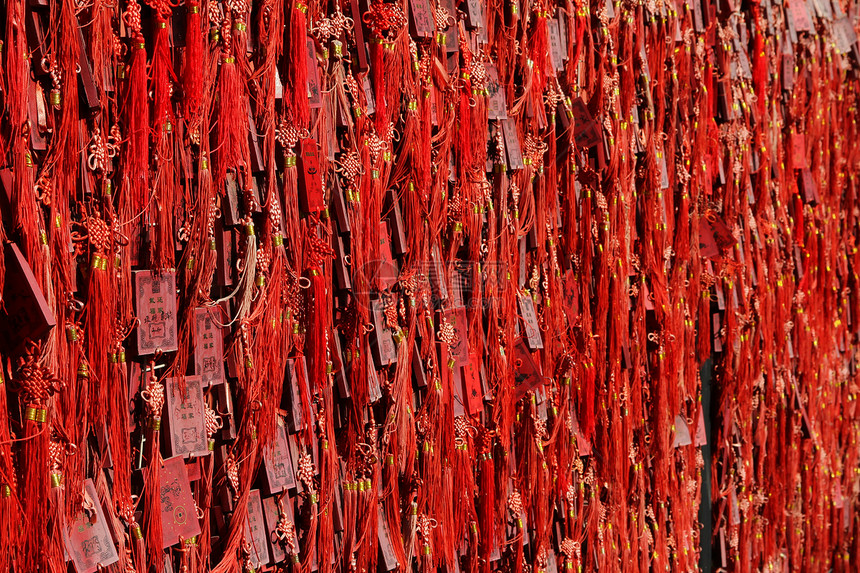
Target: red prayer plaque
460 349
473 14
178 513
311 196
422 23
271 515
370 99
419 374
798 150
277 463
208 348
27 314
384 347
701 435
844 35
186 420
528 376
810 189
707 243
472 383
389 559
556 53
87 541
155 295
452 43
456 379
497 106
387 272
585 131
255 531
551 561
664 173
800 15
571 294
512 144
721 232
682 433
224 250
296 418
530 321
314 85
360 41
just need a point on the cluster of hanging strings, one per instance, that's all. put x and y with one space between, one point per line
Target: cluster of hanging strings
593 198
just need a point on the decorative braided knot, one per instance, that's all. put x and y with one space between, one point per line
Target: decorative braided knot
163 8
425 527
285 531
569 548
332 27
153 397
349 167
515 502
390 311
212 420
287 135
99 234
317 250
55 455
131 16
447 334
37 382
232 472
382 17
306 472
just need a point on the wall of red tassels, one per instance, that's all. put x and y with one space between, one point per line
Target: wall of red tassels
359 286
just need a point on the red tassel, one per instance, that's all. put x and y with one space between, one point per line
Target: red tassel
297 71
37 385
98 312
161 208
154 398
464 478
311 513
9 507
316 340
136 113
56 513
192 77
487 496
232 130
328 481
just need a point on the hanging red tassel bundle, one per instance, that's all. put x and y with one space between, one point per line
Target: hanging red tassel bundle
231 130
160 214
297 106
135 111
153 397
630 191
317 252
9 502
36 386
486 503
194 64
